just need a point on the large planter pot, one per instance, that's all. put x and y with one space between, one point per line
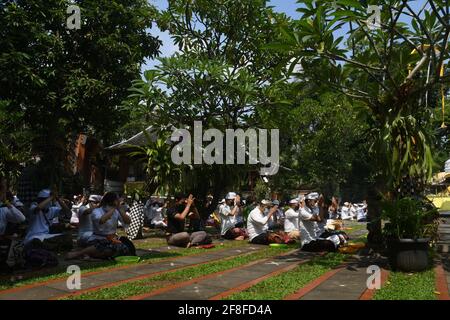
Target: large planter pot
409 255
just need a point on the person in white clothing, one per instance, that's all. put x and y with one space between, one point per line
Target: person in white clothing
9 215
277 220
104 243
345 211
43 213
291 220
258 223
158 218
85 227
78 202
353 211
310 215
229 213
361 212
149 211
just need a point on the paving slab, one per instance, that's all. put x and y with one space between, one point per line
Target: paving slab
111 276
86 283
59 287
347 284
194 293
38 293
225 282
212 286
156 267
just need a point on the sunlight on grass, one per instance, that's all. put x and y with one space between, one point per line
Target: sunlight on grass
152 283
60 272
408 286
278 287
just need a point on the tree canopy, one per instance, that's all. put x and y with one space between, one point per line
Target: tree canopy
56 82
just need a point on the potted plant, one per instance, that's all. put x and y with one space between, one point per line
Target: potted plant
408 232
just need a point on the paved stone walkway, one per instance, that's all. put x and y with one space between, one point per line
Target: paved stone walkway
443 245
349 283
56 288
207 287
445 259
213 285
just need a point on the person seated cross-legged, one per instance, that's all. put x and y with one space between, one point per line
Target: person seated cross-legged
313 237
228 212
258 224
104 242
84 215
291 220
9 215
176 220
48 207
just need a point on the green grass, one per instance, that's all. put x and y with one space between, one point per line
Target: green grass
60 272
129 289
408 286
278 287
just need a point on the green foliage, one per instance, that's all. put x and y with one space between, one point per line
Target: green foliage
408 218
377 68
220 76
162 174
322 140
59 82
280 286
407 148
408 286
262 190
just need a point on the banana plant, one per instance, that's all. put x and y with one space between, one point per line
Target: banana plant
162 173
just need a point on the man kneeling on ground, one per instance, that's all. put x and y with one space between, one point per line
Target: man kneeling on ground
176 220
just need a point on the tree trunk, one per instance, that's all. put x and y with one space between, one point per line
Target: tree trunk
375 237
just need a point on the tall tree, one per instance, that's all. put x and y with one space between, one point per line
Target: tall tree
395 69
394 65
220 76
57 82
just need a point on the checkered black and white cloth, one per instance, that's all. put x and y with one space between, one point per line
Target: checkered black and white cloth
137 221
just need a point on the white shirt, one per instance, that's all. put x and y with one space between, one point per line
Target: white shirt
256 223
308 228
227 220
39 227
107 228
361 213
86 227
74 209
353 212
345 213
158 217
291 220
321 225
9 215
